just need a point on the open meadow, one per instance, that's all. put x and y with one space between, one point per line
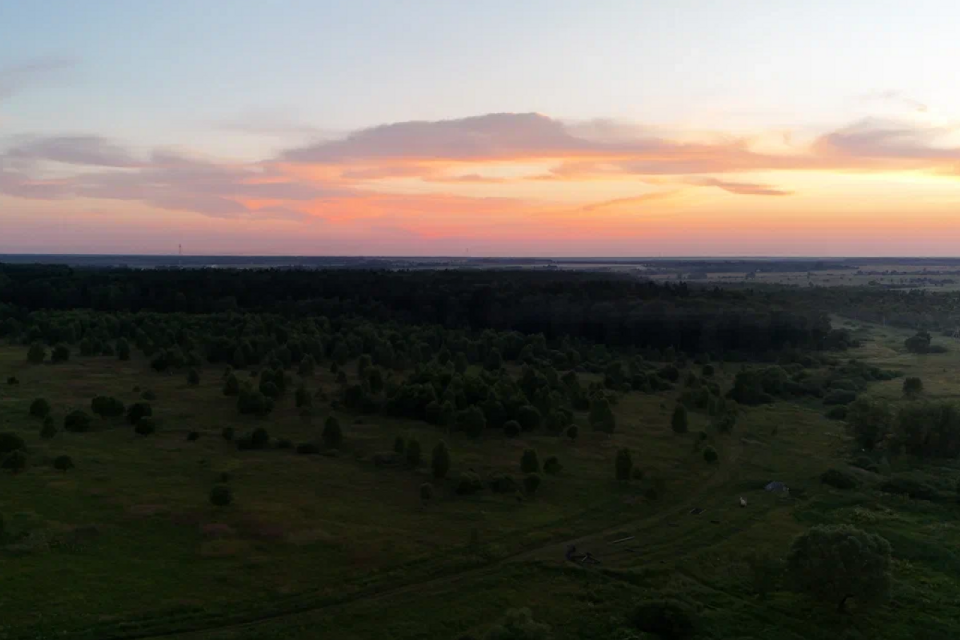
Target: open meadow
360 537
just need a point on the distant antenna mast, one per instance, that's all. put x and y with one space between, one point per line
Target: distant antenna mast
179 255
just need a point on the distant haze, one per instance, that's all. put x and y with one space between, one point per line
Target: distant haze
435 128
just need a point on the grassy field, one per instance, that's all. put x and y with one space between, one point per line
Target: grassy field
127 544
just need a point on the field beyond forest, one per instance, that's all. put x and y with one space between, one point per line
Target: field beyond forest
354 536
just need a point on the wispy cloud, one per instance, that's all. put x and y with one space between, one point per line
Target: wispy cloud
16 77
897 98
740 188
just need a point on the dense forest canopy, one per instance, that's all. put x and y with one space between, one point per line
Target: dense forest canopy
619 311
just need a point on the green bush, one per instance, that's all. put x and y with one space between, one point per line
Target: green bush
221 495
668 619
469 483
332 434
231 385
77 421
49 429
307 448
511 428
839 397
145 426
63 463
572 432
15 461
13 380
838 412
440 460
36 353
530 462
912 386
838 479
503 483
552 466
284 443
149 395
679 421
531 482
193 377
61 353
413 453
40 408
259 439
138 410
910 488
106 407
227 433
426 492
399 445
623 464
10 441
710 454
193 436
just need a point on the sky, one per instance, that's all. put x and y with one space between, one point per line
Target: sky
495 128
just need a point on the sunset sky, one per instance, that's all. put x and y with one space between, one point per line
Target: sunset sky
520 127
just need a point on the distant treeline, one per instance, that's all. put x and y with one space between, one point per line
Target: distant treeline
618 311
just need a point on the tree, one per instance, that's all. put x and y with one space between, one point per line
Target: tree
413 453
493 360
472 421
63 463
679 420
426 492
918 343
601 416
528 417
460 362
511 428
145 426
870 421
40 408
36 353
552 466
106 407
221 495
48 430
77 421
123 349
399 445
912 386
332 434
307 366
302 397
531 482
61 353
231 385
193 377
710 454
624 464
518 624
10 441
440 460
835 563
529 461
572 432
138 410
16 461
667 619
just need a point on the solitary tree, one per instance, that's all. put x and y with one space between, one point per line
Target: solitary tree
601 416
332 434
679 420
123 349
836 563
40 408
624 464
413 453
530 462
912 386
36 353
61 353
440 460
399 445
